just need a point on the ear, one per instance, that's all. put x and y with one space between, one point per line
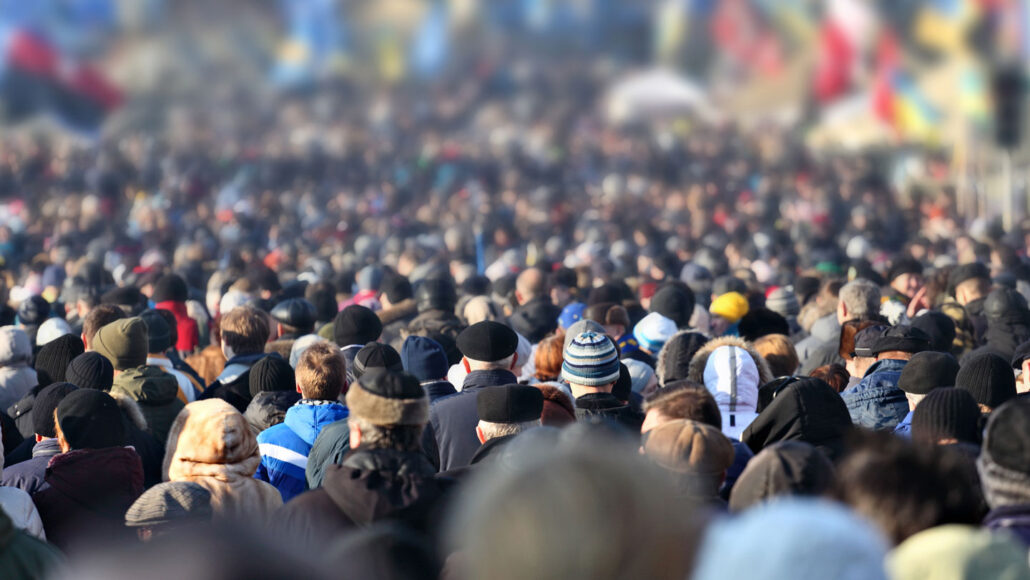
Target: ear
355 435
298 389
84 341
514 360
479 434
465 361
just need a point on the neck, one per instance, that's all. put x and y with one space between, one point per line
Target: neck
580 390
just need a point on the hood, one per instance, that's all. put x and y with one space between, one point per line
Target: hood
89 476
210 438
269 408
399 311
307 417
130 410
786 468
147 385
827 329
15 347
808 410
716 379
673 361
378 484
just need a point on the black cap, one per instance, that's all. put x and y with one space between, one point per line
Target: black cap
356 325
967 272
509 404
1007 437
866 339
1003 302
90 420
488 341
901 337
271 373
375 355
927 371
33 310
436 293
946 413
904 265
296 312
43 407
939 327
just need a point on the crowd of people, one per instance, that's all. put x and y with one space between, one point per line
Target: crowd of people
472 330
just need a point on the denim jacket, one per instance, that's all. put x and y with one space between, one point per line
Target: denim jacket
876 402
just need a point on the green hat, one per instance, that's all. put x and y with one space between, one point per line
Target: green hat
124 342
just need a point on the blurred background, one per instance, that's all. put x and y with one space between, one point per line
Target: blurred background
934 87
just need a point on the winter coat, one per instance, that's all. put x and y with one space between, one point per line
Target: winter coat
331 446
21 412
1013 518
185 327
877 402
188 390
605 406
211 444
22 556
269 408
208 363
285 447
808 410
156 392
233 383
450 437
18 505
736 420
88 494
30 476
1003 336
137 436
372 485
395 320
16 376
438 389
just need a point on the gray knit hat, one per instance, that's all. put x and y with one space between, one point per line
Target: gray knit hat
590 360
169 502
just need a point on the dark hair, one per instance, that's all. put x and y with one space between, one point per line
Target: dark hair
99 317
848 331
685 399
245 330
906 489
323 296
834 374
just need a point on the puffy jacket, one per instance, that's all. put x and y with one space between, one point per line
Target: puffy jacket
157 394
269 408
30 476
285 447
606 406
876 402
233 383
450 437
16 376
18 505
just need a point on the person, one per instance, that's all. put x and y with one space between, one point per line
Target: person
385 478
536 316
353 328
30 475
273 386
732 371
17 504
651 334
398 300
424 359
171 293
293 318
591 368
321 378
727 309
505 412
1008 324
857 300
17 377
159 341
924 372
95 478
376 355
244 332
989 378
488 354
905 278
778 351
168 507
696 455
876 402
1004 468
615 320
783 469
673 363
950 417
125 343
435 299
99 317
806 410
23 556
958 552
969 285
51 365
211 444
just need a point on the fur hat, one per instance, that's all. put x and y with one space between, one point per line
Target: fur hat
386 398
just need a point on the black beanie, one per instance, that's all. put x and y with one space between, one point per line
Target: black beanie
759 322
675 302
90 420
44 405
376 355
52 360
946 413
170 287
90 370
159 334
927 371
356 325
989 378
272 373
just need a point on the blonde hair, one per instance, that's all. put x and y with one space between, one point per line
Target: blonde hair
321 372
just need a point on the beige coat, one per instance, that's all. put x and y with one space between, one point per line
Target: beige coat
211 444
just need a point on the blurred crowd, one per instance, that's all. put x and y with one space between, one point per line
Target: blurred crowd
470 329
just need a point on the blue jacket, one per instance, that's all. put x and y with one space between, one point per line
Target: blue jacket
285 447
30 475
450 437
876 402
905 427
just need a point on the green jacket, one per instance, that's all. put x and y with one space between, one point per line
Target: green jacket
156 392
23 557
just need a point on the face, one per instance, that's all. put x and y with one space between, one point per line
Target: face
907 284
719 325
652 419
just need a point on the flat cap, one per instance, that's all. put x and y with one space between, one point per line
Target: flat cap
685 446
509 404
488 341
295 312
927 371
902 337
967 272
866 338
171 501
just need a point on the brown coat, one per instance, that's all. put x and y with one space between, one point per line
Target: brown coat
211 444
209 363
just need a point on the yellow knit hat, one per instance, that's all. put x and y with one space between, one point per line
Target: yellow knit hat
732 306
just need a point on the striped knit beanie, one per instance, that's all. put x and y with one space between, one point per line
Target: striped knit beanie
590 360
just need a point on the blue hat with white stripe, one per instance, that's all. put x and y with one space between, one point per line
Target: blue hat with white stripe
591 360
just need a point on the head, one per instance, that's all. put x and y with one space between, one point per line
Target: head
159 332
906 276
488 345
168 507
989 378
590 364
388 410
88 419
531 283
548 358
321 373
356 325
507 410
835 375
52 360
424 359
245 330
1004 462
778 351
394 290
294 316
44 406
858 300
682 399
271 373
946 416
696 454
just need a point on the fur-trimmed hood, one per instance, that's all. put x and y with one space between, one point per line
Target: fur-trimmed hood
130 409
731 380
675 358
697 364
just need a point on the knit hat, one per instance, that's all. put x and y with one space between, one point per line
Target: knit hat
685 446
170 287
987 377
124 342
52 360
376 355
927 371
90 370
51 329
572 313
424 358
590 360
653 331
170 502
159 333
580 327
386 398
675 302
783 301
946 413
958 552
90 420
271 373
732 306
33 310
1004 462
43 407
356 325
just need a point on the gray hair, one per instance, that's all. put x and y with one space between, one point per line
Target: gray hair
861 298
397 437
493 430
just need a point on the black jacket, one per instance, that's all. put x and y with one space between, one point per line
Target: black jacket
30 476
1003 336
269 408
808 410
438 390
603 406
450 437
